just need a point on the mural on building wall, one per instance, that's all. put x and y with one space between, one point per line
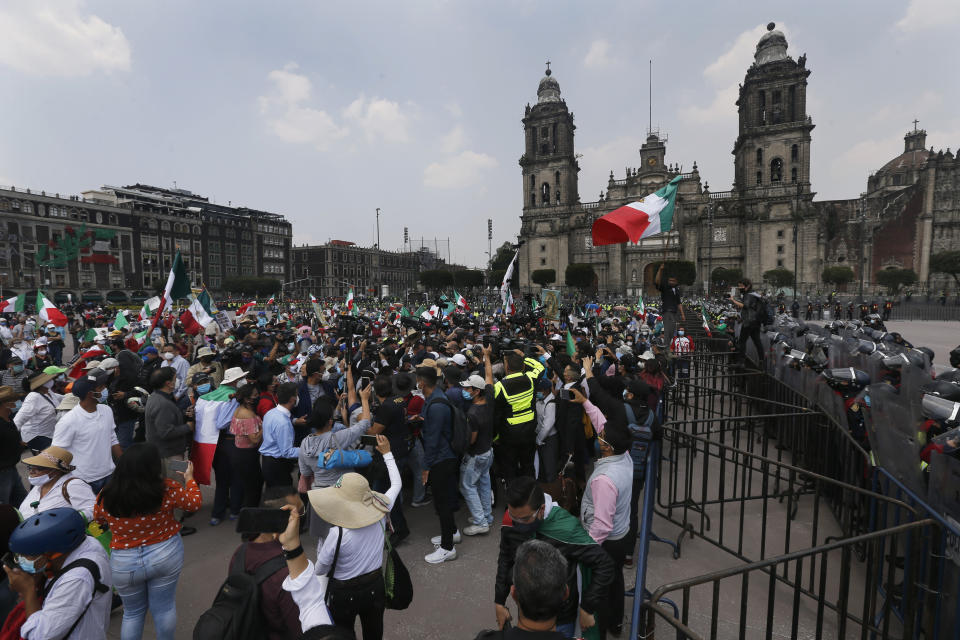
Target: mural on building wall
89 245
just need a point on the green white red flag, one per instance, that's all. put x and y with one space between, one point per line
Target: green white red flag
178 286
14 304
649 216
349 302
461 301
199 315
48 312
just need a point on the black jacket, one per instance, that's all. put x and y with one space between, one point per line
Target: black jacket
591 555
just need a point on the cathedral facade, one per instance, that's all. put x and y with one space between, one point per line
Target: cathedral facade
768 220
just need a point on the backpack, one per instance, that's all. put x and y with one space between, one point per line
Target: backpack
642 435
98 587
235 613
460 433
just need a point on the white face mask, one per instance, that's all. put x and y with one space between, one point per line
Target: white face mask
48 384
168 356
39 481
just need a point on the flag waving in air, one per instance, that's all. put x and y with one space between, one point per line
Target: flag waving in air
461 301
506 297
706 325
271 300
242 310
649 216
199 314
149 306
48 311
14 304
642 309
178 286
349 302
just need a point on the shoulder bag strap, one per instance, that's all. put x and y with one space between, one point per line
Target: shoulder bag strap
98 587
269 568
240 561
336 554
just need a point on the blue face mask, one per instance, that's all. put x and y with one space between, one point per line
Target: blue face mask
203 388
466 394
290 346
104 395
17 405
18 368
28 566
540 395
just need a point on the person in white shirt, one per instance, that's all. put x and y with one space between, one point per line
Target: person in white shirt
37 418
53 485
352 553
172 358
88 431
74 603
548 441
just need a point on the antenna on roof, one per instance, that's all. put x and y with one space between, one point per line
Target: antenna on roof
650 94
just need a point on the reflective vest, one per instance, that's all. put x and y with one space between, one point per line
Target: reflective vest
517 389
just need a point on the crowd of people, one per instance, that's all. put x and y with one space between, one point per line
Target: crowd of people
533 430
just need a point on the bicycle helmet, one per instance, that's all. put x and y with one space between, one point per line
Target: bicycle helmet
59 530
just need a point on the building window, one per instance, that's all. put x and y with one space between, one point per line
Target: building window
759 178
779 264
543 261
776 170
793 174
545 193
112 219
759 156
779 233
533 182
897 179
779 248
554 137
792 102
794 153
543 248
633 276
762 111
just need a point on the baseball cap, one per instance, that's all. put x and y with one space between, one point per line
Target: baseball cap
109 363
474 381
461 360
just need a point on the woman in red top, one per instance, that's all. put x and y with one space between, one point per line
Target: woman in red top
146 550
266 384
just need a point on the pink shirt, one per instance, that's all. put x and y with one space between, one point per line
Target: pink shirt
604 506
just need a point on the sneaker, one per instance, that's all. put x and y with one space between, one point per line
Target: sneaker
215 521
440 555
234 516
421 503
476 530
435 540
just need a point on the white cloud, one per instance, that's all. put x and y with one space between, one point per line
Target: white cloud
600 160
598 57
453 108
54 38
291 117
929 14
462 170
453 141
379 119
725 74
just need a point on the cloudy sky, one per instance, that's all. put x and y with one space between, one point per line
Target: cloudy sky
323 111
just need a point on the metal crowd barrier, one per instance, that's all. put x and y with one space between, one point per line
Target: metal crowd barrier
748 463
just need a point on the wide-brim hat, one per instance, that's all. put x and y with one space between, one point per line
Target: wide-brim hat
205 351
7 394
42 379
69 402
55 458
233 374
349 503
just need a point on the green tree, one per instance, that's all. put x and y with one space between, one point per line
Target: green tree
778 278
496 278
726 277
894 279
436 278
468 278
947 262
683 270
502 257
251 286
543 277
579 275
837 275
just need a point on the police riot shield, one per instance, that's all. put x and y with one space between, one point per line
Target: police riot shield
896 446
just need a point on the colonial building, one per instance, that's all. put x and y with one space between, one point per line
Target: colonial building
329 270
768 220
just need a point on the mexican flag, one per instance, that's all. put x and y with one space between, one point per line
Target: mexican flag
14 304
706 325
316 309
178 286
149 306
210 410
647 217
136 341
271 300
243 310
48 312
199 314
404 313
349 302
120 321
642 308
461 301
505 295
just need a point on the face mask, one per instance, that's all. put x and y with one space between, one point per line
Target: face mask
203 388
540 395
41 352
290 346
466 394
679 333
28 566
625 394
296 402
18 368
527 527
38 481
103 396
17 405
48 384
168 356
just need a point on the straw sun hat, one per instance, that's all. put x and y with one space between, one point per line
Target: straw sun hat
349 503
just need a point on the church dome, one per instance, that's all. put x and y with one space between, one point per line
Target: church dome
549 89
772 47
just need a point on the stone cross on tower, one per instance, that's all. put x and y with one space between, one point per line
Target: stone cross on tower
548 67
915 121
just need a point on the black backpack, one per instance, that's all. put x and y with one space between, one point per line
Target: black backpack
460 431
235 613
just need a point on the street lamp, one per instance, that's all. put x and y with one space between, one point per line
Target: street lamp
796 248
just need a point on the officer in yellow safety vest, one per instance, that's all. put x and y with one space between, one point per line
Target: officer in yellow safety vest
514 414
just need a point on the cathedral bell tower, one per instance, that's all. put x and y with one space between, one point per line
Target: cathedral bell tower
548 162
772 151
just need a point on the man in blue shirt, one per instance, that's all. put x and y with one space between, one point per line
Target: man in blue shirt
278 451
440 461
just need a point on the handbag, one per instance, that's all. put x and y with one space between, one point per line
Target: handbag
397 585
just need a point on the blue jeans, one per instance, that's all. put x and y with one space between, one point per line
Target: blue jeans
567 630
146 577
96 485
475 486
124 432
415 462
